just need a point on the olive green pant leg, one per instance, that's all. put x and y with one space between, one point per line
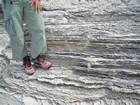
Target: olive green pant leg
13 15
35 25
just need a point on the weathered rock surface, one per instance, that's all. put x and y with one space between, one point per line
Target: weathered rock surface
94 46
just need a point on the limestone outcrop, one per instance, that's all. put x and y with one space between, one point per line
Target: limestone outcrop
94 46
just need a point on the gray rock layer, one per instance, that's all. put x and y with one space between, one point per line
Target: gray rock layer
94 48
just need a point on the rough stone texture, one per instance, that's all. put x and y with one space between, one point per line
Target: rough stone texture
95 51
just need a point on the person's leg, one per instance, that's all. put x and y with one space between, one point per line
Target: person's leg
13 16
35 25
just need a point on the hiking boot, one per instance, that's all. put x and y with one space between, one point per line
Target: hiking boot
41 62
27 65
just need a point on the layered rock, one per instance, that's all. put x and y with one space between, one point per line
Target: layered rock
94 48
